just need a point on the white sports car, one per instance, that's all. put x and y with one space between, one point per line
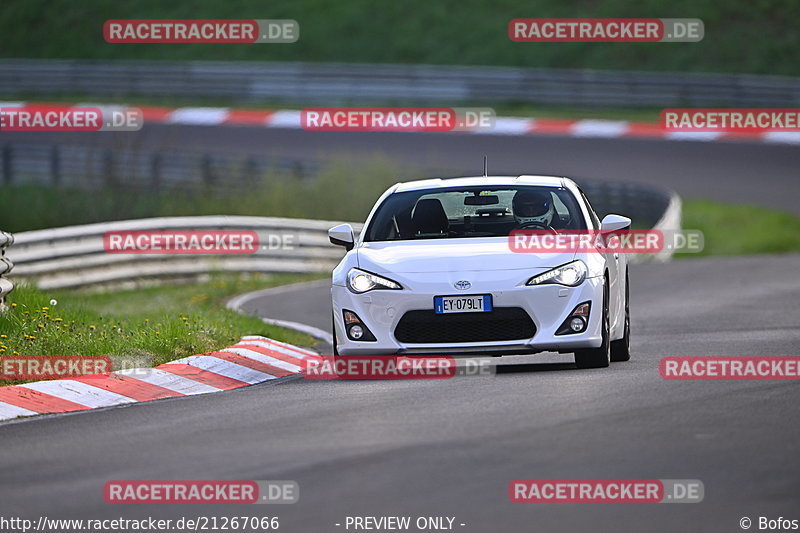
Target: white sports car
433 273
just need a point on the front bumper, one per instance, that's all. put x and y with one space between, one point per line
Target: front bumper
548 306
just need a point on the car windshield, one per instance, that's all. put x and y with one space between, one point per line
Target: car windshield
473 212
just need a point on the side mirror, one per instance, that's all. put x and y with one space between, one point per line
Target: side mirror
342 235
614 223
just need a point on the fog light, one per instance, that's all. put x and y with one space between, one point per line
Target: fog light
577 324
576 321
355 328
356 332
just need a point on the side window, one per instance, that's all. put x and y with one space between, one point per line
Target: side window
592 214
561 209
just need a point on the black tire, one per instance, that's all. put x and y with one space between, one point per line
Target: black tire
333 332
621 349
597 357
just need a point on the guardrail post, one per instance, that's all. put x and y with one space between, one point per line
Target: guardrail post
6 286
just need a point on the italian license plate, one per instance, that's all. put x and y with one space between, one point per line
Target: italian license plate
479 303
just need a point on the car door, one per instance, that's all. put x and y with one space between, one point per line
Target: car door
616 264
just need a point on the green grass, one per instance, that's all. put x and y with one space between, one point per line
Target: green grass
731 229
151 326
745 36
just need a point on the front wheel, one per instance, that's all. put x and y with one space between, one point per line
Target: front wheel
621 349
333 332
597 357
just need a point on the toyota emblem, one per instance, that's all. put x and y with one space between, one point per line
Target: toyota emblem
463 285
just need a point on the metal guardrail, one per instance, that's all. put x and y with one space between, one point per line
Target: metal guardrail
344 83
87 166
6 286
75 256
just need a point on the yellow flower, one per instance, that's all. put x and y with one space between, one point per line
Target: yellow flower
91 326
13 304
3 336
58 319
40 326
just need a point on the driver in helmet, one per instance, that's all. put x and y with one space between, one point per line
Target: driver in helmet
533 208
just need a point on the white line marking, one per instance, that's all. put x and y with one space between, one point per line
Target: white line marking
284 119
263 358
599 128
280 349
168 380
508 126
8 411
78 392
791 137
225 368
206 116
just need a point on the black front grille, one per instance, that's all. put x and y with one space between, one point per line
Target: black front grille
501 324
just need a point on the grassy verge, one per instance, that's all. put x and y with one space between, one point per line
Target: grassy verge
153 325
740 35
731 229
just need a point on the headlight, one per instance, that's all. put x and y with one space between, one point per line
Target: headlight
571 275
360 281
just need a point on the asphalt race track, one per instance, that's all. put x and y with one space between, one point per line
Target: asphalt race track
451 447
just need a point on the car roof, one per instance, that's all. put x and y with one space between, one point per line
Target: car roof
480 181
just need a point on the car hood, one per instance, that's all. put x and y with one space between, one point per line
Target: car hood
451 255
